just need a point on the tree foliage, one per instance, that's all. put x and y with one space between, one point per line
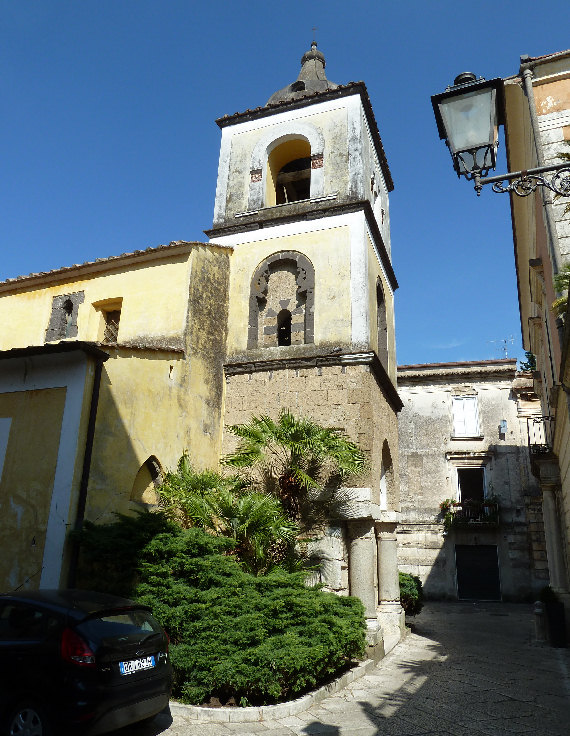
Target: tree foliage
295 459
411 593
236 636
262 533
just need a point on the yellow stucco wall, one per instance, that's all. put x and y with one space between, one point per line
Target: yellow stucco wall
333 125
375 273
27 481
161 389
329 252
154 297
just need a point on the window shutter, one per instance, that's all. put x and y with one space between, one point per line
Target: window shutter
465 416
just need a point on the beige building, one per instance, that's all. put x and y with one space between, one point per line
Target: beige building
537 131
464 442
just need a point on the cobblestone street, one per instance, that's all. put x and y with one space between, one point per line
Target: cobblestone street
465 668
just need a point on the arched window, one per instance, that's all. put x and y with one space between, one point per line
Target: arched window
144 487
386 479
289 172
281 304
382 324
284 319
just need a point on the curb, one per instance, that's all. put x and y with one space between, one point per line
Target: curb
269 712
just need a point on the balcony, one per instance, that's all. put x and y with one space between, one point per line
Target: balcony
470 514
540 431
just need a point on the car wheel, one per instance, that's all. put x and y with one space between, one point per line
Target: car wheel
28 719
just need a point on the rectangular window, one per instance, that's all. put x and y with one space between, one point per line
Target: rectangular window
465 416
111 331
471 482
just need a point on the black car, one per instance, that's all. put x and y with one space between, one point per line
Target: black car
79 662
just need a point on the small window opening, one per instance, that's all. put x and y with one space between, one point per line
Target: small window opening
67 317
111 331
471 484
284 327
294 181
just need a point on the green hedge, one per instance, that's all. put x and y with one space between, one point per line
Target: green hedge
411 593
257 640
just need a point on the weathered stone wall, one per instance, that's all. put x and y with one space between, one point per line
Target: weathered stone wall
430 456
345 397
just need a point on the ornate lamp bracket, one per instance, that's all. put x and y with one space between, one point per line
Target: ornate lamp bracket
523 183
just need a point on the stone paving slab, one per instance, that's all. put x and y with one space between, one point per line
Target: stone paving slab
465 669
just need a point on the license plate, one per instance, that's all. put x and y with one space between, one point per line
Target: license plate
135 665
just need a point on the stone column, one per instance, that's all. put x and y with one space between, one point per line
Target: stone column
390 613
361 565
553 534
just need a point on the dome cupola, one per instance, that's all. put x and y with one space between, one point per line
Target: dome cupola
311 79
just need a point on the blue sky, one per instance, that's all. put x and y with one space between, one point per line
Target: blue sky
109 143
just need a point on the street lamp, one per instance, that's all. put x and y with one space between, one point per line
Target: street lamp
468 115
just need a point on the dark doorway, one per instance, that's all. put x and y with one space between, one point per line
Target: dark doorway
471 484
477 569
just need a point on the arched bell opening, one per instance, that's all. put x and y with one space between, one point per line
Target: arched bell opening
289 172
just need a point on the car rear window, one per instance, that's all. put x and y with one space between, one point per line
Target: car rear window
20 622
124 625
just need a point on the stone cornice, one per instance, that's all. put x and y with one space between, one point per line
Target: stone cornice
241 367
504 369
341 91
308 210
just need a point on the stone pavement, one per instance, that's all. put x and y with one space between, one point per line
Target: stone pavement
466 668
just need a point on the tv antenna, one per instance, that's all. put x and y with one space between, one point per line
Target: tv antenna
502 344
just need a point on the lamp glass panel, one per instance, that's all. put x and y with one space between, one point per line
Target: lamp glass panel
469 119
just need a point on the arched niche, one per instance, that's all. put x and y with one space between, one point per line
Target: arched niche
381 324
279 148
281 302
386 479
146 480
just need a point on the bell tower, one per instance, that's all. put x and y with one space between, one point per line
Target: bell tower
302 197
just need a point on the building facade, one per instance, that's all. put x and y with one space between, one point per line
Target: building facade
289 306
471 521
537 132
138 333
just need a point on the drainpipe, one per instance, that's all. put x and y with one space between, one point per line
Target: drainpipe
82 499
553 246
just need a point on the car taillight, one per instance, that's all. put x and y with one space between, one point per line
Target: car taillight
74 649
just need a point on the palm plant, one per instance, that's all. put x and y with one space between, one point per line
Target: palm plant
561 282
296 459
263 534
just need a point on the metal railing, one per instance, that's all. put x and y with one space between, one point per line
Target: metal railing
540 434
467 513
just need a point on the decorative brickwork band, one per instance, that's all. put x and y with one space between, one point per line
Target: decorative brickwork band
317 161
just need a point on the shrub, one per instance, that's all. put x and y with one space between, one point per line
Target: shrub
109 553
411 593
233 635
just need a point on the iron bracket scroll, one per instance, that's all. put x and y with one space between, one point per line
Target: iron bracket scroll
523 183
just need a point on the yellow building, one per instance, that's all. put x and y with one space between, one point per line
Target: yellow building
537 131
158 318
